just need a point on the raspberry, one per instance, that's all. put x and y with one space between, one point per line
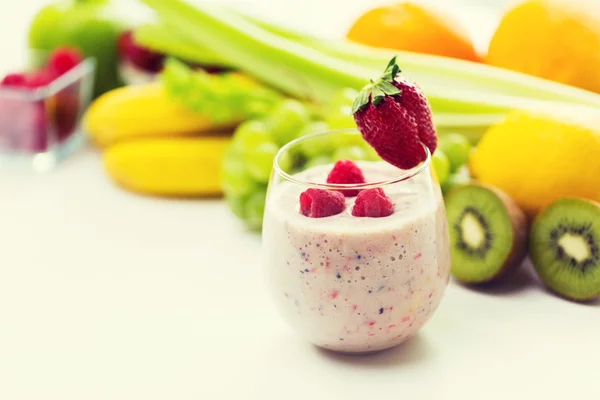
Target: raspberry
14 80
346 172
31 127
63 60
372 203
319 203
66 112
39 79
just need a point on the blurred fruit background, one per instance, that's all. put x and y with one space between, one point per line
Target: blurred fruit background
194 100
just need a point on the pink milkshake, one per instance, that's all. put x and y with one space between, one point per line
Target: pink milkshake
357 284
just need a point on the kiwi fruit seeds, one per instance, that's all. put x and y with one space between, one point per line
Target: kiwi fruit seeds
488 233
564 246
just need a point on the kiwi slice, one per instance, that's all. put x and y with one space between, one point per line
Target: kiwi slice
565 248
488 233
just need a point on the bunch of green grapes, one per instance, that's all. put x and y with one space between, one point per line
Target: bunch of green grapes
247 164
249 160
450 160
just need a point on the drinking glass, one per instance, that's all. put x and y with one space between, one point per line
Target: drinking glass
346 283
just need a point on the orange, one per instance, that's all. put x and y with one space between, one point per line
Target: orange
415 27
557 40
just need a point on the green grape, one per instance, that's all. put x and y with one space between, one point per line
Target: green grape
442 165
371 153
319 160
343 98
234 179
318 145
458 178
341 118
286 161
287 121
339 115
353 153
350 138
237 204
457 148
255 208
250 134
259 161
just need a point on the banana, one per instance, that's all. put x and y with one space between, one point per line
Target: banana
177 167
143 111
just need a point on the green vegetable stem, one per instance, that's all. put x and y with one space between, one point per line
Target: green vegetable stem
464 96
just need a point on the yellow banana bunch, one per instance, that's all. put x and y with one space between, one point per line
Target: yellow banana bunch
143 111
179 167
153 145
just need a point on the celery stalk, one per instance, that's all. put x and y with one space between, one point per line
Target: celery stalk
442 72
435 74
159 38
295 69
303 71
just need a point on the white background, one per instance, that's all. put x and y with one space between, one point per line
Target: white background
107 295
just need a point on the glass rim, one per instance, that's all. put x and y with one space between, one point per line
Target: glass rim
402 176
86 67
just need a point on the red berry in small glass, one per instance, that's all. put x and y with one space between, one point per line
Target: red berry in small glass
64 59
9 112
66 113
14 80
372 203
40 79
32 127
139 56
346 172
320 203
394 117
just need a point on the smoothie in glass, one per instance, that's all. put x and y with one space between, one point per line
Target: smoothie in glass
356 284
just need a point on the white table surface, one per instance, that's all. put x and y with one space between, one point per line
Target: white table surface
108 295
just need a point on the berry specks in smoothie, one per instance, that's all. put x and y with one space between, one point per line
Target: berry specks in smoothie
346 172
320 203
373 203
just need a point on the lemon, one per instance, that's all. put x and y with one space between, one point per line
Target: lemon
538 158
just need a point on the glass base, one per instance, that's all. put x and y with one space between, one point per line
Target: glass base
43 161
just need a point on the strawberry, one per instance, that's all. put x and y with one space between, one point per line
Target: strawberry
346 172
372 203
394 117
320 203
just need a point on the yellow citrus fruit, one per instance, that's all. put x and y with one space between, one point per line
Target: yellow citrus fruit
557 40
539 158
415 27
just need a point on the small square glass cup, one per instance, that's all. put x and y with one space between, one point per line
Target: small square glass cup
41 126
